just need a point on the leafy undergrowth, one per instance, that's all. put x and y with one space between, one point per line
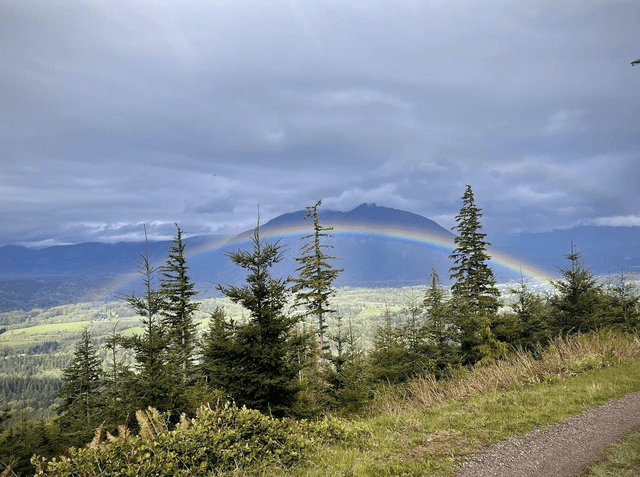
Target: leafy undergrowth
221 440
423 428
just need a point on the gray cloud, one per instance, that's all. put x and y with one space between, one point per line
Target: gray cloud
115 115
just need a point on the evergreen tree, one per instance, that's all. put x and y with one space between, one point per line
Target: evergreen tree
474 282
413 335
349 380
177 320
80 412
578 303
341 339
474 291
439 330
489 347
313 288
531 313
387 358
5 415
116 399
263 373
219 350
215 366
152 384
313 377
28 436
622 306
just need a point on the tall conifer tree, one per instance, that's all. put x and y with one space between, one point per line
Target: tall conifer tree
152 384
313 286
258 356
474 290
474 280
80 410
177 291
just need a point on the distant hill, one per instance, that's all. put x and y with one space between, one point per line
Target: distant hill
86 259
38 278
376 246
606 250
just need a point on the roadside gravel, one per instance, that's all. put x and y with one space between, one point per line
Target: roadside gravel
560 450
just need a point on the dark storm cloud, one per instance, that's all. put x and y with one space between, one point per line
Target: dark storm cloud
119 114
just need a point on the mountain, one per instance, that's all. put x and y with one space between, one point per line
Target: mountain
31 278
86 259
376 246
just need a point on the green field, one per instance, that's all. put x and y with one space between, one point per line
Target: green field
46 329
363 306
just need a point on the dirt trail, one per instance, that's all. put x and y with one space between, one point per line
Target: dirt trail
560 450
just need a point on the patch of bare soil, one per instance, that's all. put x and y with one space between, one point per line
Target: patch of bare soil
560 450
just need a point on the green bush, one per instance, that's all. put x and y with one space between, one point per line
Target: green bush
216 441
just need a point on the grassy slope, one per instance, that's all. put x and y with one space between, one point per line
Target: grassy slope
75 327
410 438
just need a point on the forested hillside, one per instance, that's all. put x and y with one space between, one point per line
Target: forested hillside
285 348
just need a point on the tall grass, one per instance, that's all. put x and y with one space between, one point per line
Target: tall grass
562 358
427 427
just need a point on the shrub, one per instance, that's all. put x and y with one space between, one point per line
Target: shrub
217 440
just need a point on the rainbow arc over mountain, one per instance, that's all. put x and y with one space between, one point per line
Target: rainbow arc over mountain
514 266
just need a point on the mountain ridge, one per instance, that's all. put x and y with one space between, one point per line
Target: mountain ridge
368 256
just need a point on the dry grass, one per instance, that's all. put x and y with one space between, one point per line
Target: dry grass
563 357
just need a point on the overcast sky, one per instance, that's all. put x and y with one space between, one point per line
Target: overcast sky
115 114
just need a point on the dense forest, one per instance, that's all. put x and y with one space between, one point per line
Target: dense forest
293 354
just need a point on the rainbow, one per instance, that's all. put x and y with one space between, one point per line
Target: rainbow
513 266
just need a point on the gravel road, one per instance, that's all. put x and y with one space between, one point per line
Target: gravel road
560 450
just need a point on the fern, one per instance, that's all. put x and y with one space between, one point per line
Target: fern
216 441
97 438
151 423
